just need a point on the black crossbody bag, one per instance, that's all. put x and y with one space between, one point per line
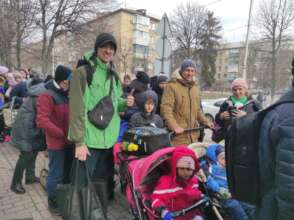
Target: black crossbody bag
102 113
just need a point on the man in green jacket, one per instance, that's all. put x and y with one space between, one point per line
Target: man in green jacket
94 145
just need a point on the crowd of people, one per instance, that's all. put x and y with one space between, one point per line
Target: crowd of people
56 114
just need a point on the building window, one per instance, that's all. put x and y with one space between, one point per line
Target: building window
140 49
142 20
233 58
142 34
141 38
232 76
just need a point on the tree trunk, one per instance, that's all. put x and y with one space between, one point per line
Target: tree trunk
273 82
18 48
44 65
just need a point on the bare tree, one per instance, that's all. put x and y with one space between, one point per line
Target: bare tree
275 19
186 24
59 16
7 32
25 12
16 21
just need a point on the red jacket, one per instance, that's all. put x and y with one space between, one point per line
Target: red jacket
174 195
53 116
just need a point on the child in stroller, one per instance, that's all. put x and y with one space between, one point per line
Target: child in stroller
139 177
179 188
217 183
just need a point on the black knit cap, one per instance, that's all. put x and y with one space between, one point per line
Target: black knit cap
162 79
103 39
143 77
62 73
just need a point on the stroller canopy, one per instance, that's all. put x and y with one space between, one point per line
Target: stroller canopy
143 167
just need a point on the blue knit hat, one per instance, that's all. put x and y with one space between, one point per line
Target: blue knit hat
187 63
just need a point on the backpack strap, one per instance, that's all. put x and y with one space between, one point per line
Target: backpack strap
283 101
90 71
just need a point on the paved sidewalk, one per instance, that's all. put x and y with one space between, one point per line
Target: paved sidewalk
33 204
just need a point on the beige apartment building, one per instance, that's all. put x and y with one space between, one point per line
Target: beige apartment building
134 30
229 61
229 65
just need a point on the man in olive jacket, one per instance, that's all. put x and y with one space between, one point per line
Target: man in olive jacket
276 161
94 145
180 105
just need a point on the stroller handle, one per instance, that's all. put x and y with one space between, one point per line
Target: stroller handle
204 201
199 128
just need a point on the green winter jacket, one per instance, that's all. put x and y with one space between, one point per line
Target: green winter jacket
82 98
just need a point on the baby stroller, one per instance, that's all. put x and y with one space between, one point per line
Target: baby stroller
139 177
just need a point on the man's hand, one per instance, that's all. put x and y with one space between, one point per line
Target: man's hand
179 130
130 100
225 115
82 152
210 125
238 113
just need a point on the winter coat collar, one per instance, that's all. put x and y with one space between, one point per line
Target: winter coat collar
56 88
176 77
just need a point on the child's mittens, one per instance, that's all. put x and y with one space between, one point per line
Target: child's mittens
166 215
225 194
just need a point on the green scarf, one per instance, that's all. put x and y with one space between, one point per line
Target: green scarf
242 100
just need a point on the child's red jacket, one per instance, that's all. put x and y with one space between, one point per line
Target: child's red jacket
173 194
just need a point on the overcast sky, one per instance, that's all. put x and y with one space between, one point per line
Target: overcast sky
232 13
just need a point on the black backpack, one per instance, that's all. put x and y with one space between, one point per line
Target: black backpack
90 70
242 160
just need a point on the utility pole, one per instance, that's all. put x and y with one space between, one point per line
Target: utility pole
244 74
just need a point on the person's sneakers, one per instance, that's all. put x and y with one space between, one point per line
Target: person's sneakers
52 206
17 188
33 180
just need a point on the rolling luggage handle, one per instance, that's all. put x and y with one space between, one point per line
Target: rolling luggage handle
172 133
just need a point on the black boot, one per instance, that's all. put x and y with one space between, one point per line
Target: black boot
30 169
20 166
52 206
17 188
33 180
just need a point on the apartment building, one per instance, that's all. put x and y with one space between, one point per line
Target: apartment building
134 30
229 64
229 61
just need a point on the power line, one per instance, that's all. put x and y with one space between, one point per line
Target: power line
212 3
235 28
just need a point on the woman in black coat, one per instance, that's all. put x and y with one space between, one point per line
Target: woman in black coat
237 105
